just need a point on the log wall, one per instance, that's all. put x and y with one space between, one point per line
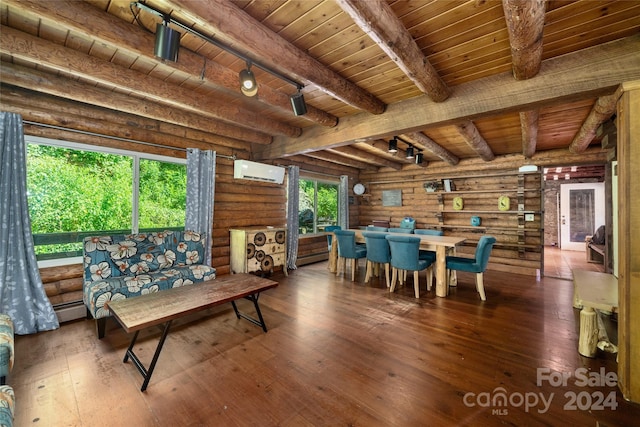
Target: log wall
238 203
519 247
247 203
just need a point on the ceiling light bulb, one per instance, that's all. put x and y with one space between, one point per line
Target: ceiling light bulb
248 84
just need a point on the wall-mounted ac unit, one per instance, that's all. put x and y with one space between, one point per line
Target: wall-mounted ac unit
244 169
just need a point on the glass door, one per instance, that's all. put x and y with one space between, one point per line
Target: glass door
582 211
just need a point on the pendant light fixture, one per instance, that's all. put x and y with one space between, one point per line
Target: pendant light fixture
409 152
248 84
418 158
167 41
298 104
393 145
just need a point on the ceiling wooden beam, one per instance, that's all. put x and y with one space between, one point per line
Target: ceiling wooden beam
329 156
472 137
430 145
59 112
94 23
525 24
379 149
40 81
356 154
529 130
233 24
316 168
380 23
602 110
36 50
595 71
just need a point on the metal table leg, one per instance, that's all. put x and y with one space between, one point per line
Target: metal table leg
146 373
254 299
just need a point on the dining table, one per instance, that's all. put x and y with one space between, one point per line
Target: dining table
440 244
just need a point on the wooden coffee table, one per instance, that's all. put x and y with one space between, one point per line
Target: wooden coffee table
163 307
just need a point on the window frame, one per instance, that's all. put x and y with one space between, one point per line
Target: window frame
135 156
317 180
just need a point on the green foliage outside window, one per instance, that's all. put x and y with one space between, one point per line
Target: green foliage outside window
79 191
163 190
318 205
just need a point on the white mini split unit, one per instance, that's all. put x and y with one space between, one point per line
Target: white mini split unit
244 169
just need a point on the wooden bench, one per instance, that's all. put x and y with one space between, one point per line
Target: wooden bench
135 314
592 291
592 249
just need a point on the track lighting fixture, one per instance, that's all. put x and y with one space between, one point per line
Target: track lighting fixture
418 158
248 84
298 104
167 41
393 145
409 152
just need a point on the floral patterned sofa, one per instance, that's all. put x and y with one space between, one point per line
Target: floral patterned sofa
7 398
128 265
7 406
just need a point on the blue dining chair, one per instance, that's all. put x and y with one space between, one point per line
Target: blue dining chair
378 252
347 248
374 228
329 229
400 230
404 257
426 254
477 264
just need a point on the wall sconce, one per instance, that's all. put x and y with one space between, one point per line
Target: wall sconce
248 84
393 145
167 42
409 152
298 104
419 158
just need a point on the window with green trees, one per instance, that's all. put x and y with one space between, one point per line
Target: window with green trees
74 191
318 205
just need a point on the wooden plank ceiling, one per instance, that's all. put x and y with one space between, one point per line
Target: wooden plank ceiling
455 79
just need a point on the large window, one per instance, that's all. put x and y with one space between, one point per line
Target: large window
75 190
318 206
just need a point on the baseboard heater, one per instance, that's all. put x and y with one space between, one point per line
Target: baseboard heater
70 311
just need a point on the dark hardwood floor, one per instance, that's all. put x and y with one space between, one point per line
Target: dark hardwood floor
338 353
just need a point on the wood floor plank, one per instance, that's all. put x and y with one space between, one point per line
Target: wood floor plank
337 353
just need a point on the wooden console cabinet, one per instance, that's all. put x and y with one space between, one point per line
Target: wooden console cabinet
258 249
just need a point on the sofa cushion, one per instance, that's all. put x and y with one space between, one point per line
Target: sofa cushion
128 265
99 292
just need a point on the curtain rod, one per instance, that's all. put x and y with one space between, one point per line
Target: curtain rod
117 138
